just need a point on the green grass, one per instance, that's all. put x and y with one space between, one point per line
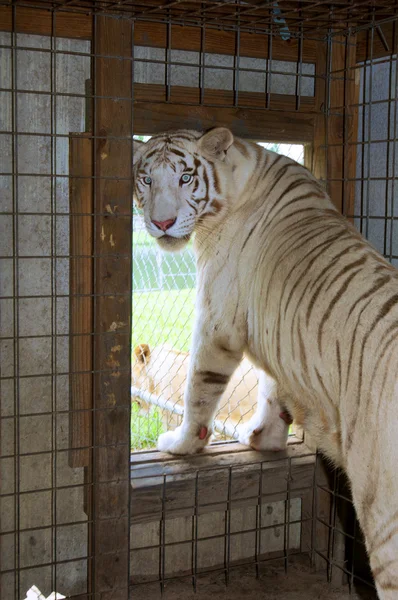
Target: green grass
159 317
176 270
145 428
163 317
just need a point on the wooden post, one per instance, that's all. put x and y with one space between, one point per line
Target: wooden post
81 300
318 154
342 122
334 162
112 118
336 124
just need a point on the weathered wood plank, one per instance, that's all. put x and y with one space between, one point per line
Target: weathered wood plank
342 123
113 206
207 490
221 452
383 42
222 42
336 128
151 118
81 300
350 132
79 25
39 21
147 92
318 157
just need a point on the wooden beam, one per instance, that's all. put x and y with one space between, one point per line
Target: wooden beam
148 92
336 124
383 42
113 260
79 25
318 155
148 498
350 124
222 42
342 123
81 299
40 22
151 118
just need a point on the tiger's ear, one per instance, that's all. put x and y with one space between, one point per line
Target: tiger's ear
142 353
138 147
216 142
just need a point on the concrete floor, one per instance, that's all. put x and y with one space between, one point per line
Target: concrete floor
273 584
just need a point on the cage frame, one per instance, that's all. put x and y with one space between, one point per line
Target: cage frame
327 117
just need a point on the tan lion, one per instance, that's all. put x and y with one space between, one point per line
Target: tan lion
163 372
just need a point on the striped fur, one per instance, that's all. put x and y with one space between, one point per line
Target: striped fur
284 278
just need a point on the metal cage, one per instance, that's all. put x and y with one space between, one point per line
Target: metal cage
80 513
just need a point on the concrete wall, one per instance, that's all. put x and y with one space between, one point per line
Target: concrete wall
219 71
377 158
145 539
33 497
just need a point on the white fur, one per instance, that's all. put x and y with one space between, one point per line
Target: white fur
284 278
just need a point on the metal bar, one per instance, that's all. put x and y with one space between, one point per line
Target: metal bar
194 549
332 525
227 540
162 533
344 141
269 71
202 63
387 222
258 521
237 61
299 69
286 537
394 146
16 390
329 59
369 127
168 62
53 315
314 512
164 403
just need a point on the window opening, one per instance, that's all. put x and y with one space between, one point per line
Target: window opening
163 309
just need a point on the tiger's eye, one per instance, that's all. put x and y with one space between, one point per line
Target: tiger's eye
147 180
186 178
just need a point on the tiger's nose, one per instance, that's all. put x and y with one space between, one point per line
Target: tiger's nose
164 225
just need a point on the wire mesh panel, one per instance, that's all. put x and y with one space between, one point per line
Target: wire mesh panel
71 81
376 199
63 429
219 516
363 94
43 524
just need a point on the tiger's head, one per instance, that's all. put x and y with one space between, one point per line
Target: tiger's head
180 178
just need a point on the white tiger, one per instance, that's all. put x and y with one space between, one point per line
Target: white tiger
284 278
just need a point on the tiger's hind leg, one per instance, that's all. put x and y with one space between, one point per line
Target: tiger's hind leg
268 428
372 469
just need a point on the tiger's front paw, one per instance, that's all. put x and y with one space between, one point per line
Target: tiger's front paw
261 436
182 441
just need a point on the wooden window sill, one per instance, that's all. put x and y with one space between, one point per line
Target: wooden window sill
224 475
